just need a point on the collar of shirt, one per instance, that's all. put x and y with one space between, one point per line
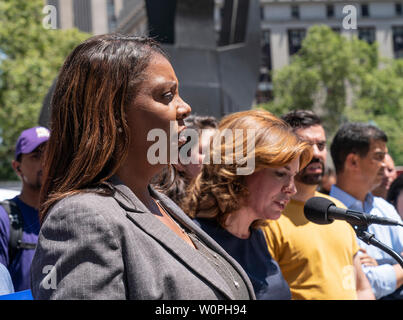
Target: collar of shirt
352 203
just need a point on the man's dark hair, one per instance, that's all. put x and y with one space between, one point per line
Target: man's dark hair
354 138
301 119
201 122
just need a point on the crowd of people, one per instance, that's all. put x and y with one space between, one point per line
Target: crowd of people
96 219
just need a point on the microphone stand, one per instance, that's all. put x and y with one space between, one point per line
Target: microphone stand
369 238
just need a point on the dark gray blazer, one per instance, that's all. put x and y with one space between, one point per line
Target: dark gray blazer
112 247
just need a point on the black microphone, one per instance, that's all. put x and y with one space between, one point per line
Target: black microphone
323 211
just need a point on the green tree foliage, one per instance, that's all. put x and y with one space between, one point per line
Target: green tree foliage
380 101
343 79
31 58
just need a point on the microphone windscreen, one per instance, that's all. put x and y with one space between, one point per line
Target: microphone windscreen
315 210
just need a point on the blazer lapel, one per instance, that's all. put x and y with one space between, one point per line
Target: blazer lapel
138 213
210 242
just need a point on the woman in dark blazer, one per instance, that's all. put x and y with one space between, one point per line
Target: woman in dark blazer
106 234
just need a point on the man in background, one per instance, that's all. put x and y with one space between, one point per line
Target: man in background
390 174
19 219
319 262
358 151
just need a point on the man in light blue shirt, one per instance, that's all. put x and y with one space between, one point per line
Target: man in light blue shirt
358 152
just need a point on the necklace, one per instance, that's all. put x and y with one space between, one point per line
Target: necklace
169 215
194 238
217 262
185 234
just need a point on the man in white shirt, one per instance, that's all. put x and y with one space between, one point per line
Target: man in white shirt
358 151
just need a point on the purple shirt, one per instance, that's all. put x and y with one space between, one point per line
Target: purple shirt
20 267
